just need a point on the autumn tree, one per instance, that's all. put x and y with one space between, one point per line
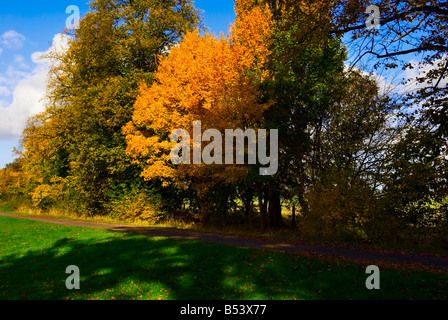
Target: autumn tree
92 89
14 187
214 81
349 157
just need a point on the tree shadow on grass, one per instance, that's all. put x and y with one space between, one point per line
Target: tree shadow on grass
127 266
135 267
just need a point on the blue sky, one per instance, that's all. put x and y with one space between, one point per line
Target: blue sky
28 28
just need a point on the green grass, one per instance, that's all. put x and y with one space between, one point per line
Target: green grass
242 230
34 256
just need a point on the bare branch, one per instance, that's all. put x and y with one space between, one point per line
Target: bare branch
419 49
424 9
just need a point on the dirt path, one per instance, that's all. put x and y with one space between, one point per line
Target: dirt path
430 262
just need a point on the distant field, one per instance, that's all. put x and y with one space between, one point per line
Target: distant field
35 255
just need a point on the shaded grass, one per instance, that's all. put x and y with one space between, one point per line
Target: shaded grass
34 256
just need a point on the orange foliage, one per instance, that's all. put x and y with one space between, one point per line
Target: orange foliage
203 79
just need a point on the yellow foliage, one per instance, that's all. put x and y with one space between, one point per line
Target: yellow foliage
13 179
45 194
136 206
203 79
337 210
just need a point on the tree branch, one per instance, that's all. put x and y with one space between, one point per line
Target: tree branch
419 49
445 69
425 9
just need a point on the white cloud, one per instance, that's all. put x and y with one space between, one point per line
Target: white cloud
387 84
4 92
28 94
12 39
20 62
420 70
26 102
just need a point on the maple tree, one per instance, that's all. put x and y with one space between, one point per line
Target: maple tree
205 79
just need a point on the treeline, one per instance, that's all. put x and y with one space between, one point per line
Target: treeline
355 161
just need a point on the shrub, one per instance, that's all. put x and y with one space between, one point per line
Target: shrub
137 206
426 212
339 212
45 196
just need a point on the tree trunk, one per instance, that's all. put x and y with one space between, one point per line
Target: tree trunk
225 207
204 206
248 196
275 207
293 218
302 201
262 204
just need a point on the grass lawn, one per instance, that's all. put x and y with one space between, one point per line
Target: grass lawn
35 255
